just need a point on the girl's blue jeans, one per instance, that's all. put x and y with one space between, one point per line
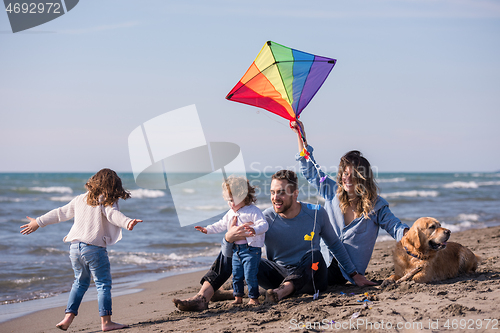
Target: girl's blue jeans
90 260
245 264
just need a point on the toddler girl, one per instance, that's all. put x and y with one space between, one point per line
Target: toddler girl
246 253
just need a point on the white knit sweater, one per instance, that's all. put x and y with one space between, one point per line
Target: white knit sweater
245 214
98 225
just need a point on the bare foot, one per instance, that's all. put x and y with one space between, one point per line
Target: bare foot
112 326
253 301
196 303
237 300
222 295
66 322
108 325
271 296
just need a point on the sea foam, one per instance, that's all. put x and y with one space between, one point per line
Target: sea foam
461 185
391 180
471 184
468 217
143 193
462 226
162 259
207 207
413 194
65 198
52 189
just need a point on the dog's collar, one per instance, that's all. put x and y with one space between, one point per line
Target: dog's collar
411 254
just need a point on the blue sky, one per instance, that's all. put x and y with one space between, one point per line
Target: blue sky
416 86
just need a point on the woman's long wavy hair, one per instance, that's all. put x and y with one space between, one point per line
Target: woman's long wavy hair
105 188
364 183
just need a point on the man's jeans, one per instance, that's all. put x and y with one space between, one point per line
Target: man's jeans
90 260
245 264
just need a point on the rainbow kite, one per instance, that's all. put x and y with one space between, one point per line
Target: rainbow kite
282 80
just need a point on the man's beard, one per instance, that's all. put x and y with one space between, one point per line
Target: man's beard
284 207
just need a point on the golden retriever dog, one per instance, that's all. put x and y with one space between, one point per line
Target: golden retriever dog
425 255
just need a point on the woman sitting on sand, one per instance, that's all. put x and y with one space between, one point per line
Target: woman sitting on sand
355 210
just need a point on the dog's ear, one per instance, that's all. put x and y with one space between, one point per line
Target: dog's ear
420 240
413 237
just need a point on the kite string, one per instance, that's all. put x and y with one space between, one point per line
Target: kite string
316 292
258 112
305 153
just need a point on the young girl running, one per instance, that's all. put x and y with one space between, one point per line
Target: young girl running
97 224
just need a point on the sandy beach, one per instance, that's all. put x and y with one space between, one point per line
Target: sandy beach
459 304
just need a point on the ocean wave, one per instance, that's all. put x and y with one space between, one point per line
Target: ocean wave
167 209
38 250
52 189
9 299
471 184
183 245
145 258
188 190
26 281
65 198
391 180
468 217
207 207
142 193
465 185
492 183
462 226
413 194
7 199
461 185
469 221
486 175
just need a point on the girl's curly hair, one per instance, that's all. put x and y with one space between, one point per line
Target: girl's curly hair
238 188
105 188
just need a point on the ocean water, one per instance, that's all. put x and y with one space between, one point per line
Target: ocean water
37 266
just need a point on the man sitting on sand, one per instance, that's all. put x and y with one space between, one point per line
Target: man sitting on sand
293 251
